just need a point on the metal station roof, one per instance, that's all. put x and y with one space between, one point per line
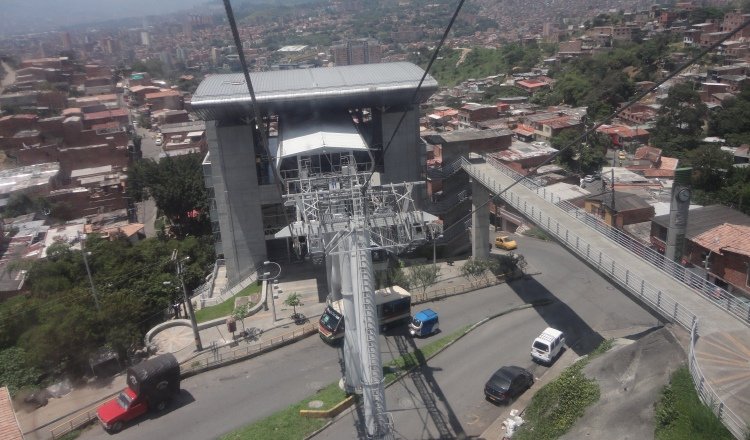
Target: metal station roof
319 135
364 85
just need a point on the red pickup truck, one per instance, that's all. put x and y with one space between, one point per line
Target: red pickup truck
151 385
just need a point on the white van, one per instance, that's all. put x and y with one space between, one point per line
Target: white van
547 346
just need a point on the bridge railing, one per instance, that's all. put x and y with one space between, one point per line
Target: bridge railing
657 299
735 305
647 293
705 391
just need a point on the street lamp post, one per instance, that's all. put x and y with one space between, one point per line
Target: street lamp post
88 271
188 303
266 277
434 253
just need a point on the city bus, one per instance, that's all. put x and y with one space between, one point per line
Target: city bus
394 308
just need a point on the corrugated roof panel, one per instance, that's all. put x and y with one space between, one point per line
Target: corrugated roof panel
361 85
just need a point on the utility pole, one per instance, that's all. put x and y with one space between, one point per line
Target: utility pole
88 271
188 303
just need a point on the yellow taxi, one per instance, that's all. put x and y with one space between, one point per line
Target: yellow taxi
505 242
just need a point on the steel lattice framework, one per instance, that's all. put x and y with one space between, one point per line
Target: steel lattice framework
343 225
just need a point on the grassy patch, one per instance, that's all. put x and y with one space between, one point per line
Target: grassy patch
556 407
288 424
417 357
225 308
538 232
72 435
681 415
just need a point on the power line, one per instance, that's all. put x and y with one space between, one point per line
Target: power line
633 101
416 92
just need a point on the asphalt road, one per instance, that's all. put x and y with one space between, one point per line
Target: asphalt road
220 401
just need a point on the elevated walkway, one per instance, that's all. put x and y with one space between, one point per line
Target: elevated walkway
719 358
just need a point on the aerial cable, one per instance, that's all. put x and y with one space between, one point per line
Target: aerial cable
632 101
416 91
256 108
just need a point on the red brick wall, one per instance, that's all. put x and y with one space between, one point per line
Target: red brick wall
43 154
92 156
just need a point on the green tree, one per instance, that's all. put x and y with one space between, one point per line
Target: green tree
679 125
15 371
294 300
474 269
176 185
423 276
710 164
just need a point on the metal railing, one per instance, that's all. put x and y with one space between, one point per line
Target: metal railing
434 293
706 393
229 291
720 297
218 358
73 424
647 293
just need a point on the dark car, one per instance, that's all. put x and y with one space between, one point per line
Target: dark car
507 383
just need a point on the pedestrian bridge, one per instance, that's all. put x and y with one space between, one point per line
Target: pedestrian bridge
719 352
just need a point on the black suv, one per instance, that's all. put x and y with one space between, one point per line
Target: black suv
507 383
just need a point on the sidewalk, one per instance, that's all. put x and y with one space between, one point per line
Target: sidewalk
179 341
217 343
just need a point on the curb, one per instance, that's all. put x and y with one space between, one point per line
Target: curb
473 327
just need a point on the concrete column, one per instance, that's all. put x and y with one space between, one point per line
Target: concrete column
238 204
480 221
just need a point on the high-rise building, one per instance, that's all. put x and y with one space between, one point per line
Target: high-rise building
216 56
360 51
67 43
145 38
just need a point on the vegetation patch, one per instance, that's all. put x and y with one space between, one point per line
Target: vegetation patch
226 308
420 355
537 232
681 415
288 424
555 408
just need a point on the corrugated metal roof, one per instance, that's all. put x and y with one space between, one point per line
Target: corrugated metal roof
706 218
364 85
319 136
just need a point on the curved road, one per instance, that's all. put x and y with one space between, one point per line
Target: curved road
587 308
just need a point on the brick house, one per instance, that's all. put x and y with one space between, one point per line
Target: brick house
725 252
471 113
628 208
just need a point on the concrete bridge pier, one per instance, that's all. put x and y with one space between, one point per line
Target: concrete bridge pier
480 221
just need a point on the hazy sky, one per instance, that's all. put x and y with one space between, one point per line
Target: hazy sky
40 15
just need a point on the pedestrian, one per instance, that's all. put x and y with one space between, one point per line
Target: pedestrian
176 308
581 184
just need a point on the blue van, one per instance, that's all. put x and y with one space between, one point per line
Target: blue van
424 323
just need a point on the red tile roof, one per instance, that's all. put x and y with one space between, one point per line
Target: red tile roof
9 427
726 238
163 94
646 152
116 113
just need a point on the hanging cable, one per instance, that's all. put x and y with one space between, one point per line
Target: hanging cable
633 101
256 109
416 92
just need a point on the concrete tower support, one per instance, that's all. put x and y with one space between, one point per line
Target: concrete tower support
480 222
238 204
404 160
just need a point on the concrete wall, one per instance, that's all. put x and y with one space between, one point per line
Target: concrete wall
405 159
237 196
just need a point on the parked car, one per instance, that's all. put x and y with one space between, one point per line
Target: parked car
507 383
158 142
547 345
151 384
622 155
424 323
505 242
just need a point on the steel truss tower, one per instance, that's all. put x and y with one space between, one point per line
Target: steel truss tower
343 225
